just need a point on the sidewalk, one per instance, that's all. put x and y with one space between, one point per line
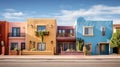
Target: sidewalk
58 57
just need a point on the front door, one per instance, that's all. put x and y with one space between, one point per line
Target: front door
23 46
104 49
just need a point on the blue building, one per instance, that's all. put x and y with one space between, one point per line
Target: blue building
96 35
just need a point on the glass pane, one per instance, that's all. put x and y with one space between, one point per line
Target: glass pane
39 46
86 30
90 31
14 45
65 46
41 28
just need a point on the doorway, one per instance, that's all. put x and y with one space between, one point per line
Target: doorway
64 46
104 48
22 46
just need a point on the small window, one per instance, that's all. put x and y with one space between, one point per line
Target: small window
103 31
63 31
41 46
41 28
88 46
59 31
13 46
71 31
88 31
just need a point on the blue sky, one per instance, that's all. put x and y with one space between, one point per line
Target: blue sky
65 11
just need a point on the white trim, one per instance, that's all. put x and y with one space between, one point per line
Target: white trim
88 34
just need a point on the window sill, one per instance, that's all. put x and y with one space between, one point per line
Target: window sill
88 35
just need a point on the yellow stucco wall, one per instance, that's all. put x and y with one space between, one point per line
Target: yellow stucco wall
50 39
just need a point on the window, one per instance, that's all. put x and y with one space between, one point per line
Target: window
63 31
13 46
103 31
22 46
41 28
65 46
15 31
72 46
71 31
59 31
41 46
88 46
88 31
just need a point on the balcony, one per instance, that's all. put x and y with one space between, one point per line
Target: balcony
66 37
17 35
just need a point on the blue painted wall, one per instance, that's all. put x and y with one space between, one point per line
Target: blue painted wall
97 33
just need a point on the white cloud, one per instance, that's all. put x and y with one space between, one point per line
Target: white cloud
12 14
96 12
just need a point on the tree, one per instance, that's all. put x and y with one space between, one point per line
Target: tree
115 40
41 34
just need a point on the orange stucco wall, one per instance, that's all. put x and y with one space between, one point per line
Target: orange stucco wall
50 39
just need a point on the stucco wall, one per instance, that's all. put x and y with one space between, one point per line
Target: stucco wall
18 40
50 26
22 26
97 34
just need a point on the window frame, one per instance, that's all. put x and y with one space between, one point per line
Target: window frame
41 28
40 46
14 46
17 33
88 32
89 46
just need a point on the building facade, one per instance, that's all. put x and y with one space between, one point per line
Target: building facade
17 32
40 37
96 35
66 40
4 49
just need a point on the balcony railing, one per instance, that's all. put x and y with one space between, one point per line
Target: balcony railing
17 35
66 35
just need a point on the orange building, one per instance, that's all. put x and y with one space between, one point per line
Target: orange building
4 48
40 37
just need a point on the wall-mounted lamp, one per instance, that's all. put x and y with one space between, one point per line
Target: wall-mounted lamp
2 43
30 42
51 26
51 42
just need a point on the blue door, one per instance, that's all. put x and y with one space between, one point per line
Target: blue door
104 49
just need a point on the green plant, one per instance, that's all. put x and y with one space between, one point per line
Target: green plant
33 49
115 40
16 49
41 34
80 43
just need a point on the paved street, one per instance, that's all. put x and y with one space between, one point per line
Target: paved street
60 63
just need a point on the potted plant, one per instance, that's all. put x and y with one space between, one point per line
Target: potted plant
41 34
16 50
33 49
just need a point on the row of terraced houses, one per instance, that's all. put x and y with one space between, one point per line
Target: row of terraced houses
61 40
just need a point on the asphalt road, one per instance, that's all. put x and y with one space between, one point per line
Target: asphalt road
60 63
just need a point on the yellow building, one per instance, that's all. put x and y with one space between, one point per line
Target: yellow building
40 36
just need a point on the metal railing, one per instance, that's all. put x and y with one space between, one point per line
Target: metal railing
17 35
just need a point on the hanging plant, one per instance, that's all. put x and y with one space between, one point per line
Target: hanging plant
41 34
